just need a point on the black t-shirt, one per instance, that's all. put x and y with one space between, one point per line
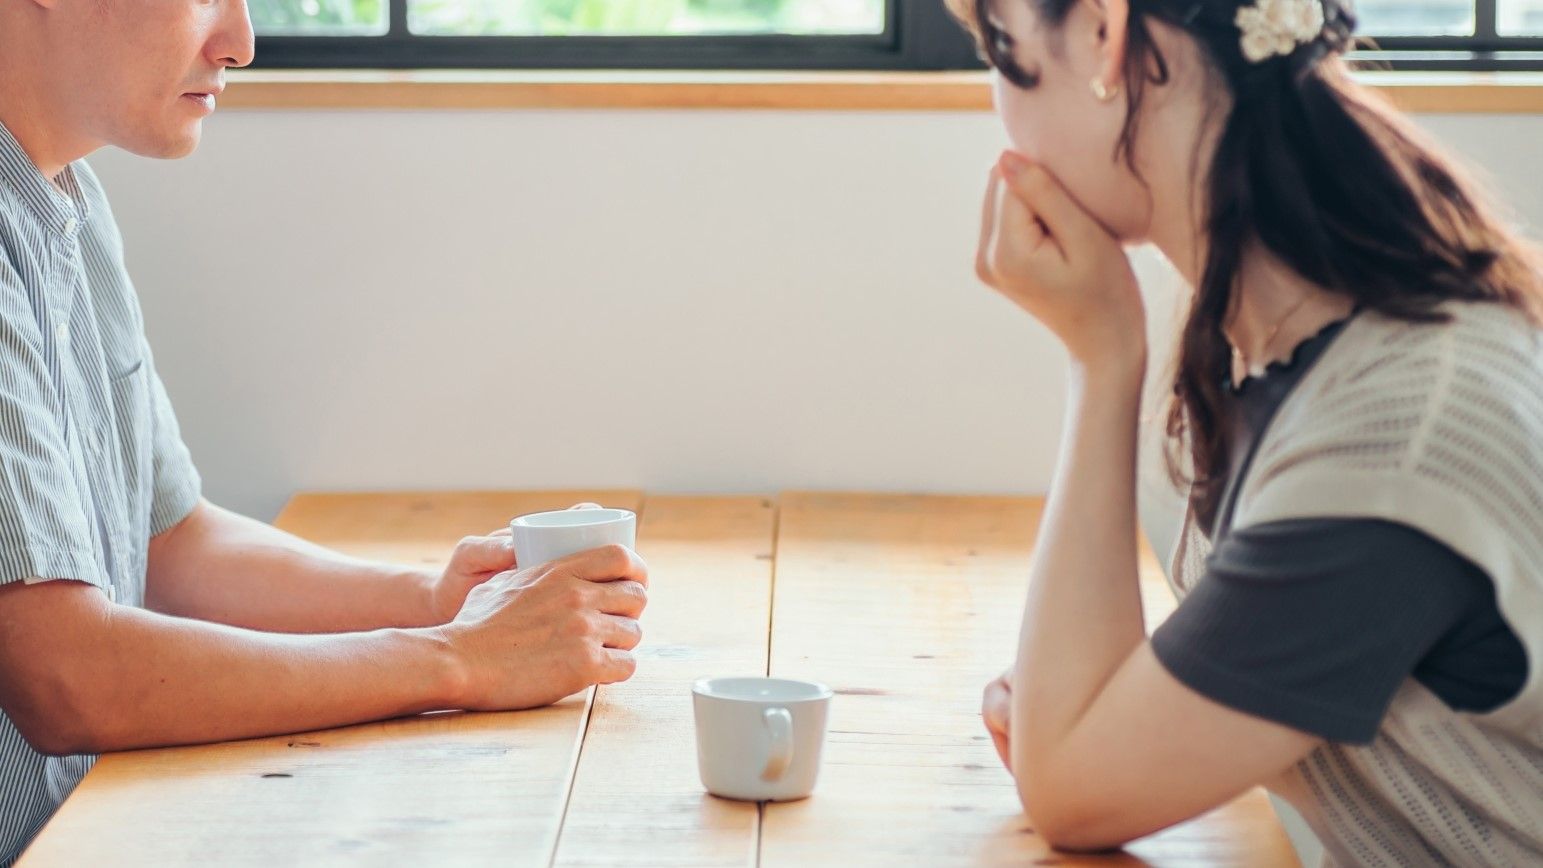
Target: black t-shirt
1315 623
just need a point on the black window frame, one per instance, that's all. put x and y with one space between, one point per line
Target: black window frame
921 35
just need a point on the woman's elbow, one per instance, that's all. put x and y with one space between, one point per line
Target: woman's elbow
1065 819
1074 837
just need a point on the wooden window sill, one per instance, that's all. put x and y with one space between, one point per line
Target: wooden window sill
1464 93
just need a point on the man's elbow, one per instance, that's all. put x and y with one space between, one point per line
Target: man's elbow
50 741
57 666
57 725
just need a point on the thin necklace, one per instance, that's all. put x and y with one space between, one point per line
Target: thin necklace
1269 338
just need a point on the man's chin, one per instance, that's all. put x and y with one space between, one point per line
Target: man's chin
169 145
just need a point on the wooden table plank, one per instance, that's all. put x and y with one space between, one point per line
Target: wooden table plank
637 799
906 606
462 788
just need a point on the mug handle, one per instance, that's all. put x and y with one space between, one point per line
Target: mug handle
780 724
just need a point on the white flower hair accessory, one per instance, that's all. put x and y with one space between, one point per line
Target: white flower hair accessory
1277 27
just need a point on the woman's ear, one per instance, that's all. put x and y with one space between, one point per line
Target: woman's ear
1115 17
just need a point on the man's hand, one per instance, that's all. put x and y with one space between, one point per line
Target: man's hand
79 674
531 637
475 560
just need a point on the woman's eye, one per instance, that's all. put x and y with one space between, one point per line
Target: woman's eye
1001 56
1024 79
1019 77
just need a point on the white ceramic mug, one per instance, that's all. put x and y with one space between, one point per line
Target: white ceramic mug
546 536
759 739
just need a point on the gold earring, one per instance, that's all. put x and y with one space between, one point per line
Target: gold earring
1104 92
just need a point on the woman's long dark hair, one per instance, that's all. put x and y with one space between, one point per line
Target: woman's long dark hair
1320 172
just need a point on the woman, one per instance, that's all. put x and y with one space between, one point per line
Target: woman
1357 416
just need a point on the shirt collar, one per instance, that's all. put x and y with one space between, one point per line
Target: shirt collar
62 208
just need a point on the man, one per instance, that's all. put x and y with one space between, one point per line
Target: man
133 612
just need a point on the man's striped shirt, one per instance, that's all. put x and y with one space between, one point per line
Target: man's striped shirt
92 464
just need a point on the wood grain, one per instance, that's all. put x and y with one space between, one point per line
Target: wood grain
1463 93
481 90
461 788
637 799
906 606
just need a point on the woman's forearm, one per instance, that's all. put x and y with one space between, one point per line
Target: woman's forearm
1083 616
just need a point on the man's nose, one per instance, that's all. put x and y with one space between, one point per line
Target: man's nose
232 43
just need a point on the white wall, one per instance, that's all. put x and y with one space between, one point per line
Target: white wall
705 301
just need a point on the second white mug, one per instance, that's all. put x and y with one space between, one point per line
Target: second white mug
760 739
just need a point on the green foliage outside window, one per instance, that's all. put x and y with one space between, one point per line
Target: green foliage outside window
570 17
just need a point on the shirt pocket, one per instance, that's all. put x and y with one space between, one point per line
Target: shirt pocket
128 442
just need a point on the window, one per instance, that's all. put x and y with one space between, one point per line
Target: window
1520 18
644 17
318 17
648 34
1454 34
782 34
1402 18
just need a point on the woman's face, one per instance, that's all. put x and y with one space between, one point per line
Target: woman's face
1056 120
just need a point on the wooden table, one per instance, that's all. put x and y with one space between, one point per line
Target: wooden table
906 606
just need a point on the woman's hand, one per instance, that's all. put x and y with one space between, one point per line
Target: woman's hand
1039 248
996 708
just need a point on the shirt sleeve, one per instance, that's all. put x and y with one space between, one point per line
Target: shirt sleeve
177 486
45 525
1315 623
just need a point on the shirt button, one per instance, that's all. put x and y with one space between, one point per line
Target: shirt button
62 332
70 224
112 593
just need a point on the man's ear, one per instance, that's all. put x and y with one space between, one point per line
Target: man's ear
1113 29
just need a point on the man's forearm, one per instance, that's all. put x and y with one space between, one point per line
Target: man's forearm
222 567
144 679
